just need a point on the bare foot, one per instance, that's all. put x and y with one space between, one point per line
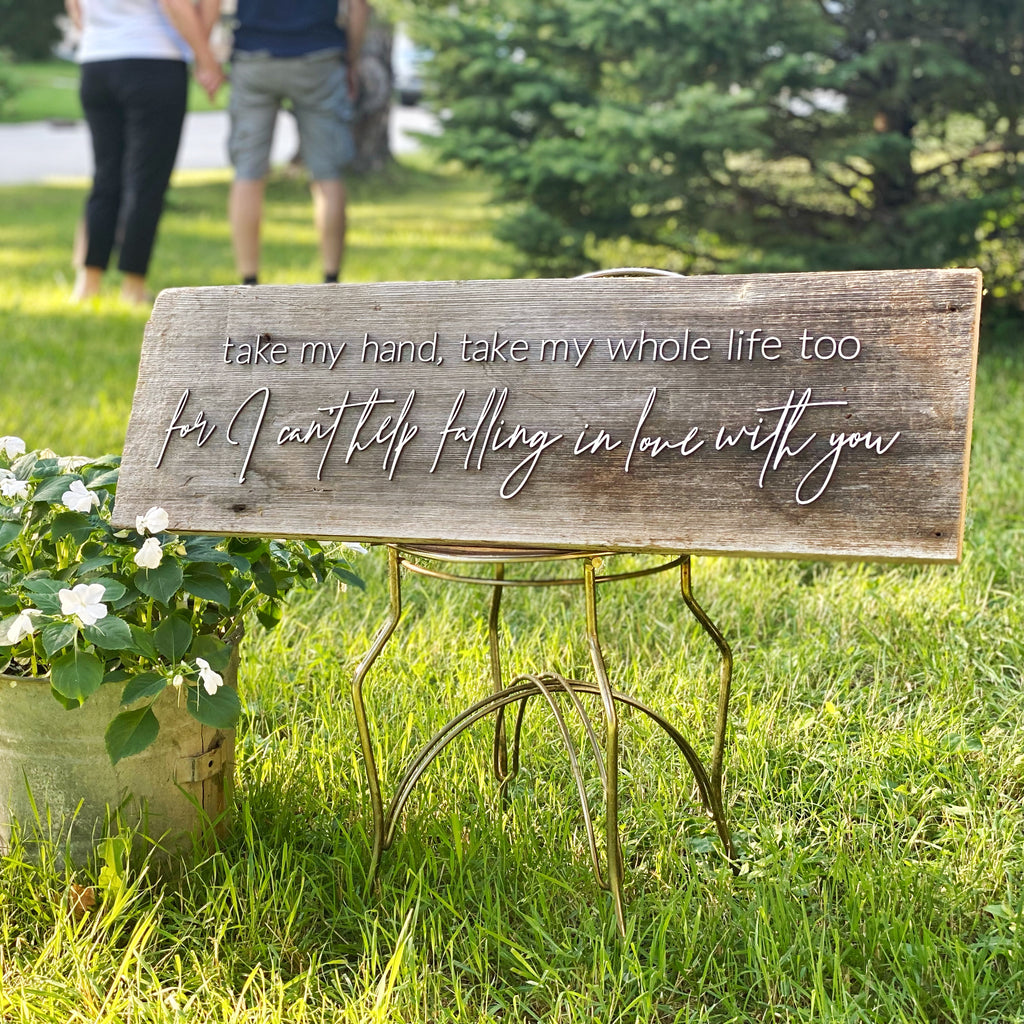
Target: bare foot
133 290
87 283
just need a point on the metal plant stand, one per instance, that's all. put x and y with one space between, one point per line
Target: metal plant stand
554 690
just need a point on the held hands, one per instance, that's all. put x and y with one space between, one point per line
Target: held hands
210 76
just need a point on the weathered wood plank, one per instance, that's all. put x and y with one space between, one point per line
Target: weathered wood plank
823 415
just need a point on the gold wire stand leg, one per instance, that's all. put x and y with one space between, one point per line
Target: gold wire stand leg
362 723
613 845
499 750
548 685
715 802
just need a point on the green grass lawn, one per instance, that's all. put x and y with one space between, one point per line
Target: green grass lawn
48 91
874 773
405 224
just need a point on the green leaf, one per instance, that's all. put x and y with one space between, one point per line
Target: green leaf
56 636
106 480
213 649
955 742
210 586
99 562
265 581
142 686
77 675
204 549
68 703
43 584
53 489
269 616
143 642
31 465
219 711
44 590
110 634
161 583
113 877
172 637
131 732
113 590
9 531
348 576
71 524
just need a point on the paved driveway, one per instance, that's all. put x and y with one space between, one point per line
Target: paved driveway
42 151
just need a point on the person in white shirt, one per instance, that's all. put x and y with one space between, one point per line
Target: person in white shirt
134 90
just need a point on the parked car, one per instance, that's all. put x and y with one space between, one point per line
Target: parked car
407 60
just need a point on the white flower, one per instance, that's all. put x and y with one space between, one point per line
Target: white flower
12 446
212 681
12 487
176 680
23 625
72 463
154 521
150 554
84 600
79 498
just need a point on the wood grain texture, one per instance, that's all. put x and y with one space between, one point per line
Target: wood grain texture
581 413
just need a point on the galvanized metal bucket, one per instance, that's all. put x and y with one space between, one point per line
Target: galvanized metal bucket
58 785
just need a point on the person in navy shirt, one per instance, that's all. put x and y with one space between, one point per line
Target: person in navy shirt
305 52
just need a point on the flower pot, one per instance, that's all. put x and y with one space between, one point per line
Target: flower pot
57 781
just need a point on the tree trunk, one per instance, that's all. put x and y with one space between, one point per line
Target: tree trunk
373 110
895 182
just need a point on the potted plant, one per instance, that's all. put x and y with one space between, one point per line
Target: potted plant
118 650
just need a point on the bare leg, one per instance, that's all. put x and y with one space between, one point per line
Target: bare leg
329 218
87 279
245 208
133 289
80 245
87 283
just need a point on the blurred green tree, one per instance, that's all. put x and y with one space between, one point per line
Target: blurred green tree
734 135
28 31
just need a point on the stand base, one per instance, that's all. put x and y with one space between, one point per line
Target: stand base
555 690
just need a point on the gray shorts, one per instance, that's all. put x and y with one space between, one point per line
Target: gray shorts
316 86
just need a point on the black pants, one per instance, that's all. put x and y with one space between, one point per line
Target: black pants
135 110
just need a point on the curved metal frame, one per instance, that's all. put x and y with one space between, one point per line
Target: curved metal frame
548 686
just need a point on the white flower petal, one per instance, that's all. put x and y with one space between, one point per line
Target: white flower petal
79 498
12 487
22 626
84 600
154 521
12 446
150 554
212 681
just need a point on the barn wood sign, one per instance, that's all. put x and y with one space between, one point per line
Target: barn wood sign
817 415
